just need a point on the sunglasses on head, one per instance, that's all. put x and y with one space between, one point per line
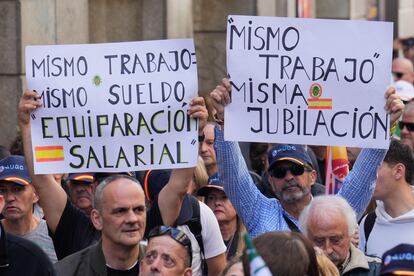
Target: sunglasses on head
399 75
410 126
280 172
176 234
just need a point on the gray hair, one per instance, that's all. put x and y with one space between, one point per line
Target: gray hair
324 207
97 201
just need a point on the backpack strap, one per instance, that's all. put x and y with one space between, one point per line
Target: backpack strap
291 224
368 225
195 227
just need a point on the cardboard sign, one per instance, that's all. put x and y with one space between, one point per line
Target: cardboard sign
113 107
308 81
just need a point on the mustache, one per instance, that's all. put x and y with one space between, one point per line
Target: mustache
290 185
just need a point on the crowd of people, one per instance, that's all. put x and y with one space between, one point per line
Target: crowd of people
192 221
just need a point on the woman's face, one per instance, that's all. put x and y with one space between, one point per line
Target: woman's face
220 205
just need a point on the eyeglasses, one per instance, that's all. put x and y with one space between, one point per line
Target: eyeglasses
398 75
410 126
176 234
280 172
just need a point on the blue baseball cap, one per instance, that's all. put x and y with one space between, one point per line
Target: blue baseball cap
154 181
293 153
398 260
214 182
85 177
13 169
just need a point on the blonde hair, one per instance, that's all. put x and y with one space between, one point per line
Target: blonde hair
200 175
325 266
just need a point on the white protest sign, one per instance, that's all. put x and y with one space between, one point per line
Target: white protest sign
308 81
113 107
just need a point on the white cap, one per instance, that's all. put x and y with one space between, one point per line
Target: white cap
404 90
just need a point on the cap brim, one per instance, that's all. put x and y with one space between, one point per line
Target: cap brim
186 212
203 191
17 180
294 160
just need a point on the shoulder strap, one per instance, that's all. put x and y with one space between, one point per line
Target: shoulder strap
291 224
368 225
195 227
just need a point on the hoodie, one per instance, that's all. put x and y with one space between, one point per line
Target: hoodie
387 231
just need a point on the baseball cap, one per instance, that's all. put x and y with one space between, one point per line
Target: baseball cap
154 181
214 182
398 260
85 177
293 153
404 90
13 168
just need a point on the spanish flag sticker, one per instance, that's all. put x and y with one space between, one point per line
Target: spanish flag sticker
49 153
316 101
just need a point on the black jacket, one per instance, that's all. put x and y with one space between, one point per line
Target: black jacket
19 256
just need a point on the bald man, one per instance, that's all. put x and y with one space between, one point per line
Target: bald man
403 69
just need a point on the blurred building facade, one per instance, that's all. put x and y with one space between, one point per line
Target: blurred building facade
30 22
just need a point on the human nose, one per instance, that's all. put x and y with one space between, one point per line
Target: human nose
155 265
327 248
131 217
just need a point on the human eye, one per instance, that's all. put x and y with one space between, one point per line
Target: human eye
211 198
3 190
168 261
150 257
318 241
139 209
119 211
336 240
18 189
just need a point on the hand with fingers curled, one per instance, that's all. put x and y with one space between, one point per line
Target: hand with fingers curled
394 105
29 101
221 96
198 110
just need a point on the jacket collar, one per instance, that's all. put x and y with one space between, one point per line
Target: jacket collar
357 260
98 262
4 257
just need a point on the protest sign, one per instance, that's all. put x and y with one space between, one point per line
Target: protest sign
308 81
113 107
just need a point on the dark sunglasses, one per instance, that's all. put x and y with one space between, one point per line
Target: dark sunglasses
399 75
280 172
410 126
176 234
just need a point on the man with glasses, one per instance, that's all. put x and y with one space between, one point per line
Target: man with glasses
168 253
290 175
406 125
402 69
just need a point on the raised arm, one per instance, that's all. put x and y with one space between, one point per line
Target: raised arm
360 182
172 195
52 197
259 213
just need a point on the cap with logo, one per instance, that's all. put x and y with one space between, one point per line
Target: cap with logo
398 260
293 153
84 177
214 182
13 168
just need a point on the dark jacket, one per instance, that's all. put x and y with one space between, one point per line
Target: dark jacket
19 256
87 262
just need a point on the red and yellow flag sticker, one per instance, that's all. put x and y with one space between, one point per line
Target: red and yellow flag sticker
319 103
49 153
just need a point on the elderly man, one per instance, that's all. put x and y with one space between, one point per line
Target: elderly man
406 125
81 188
20 196
207 151
119 213
19 256
168 253
290 175
403 69
329 222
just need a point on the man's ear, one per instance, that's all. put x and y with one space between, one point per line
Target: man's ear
188 272
313 175
96 219
1 203
399 171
